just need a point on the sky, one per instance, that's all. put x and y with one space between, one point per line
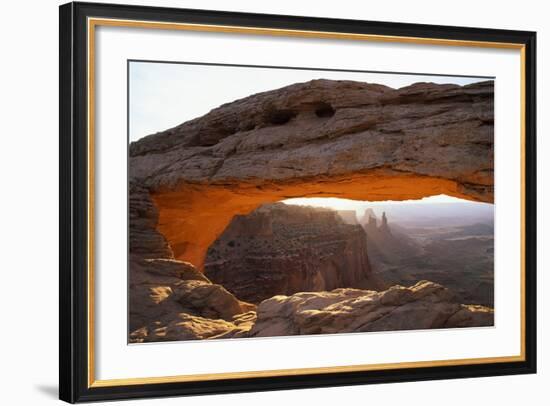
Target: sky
440 206
163 95
359 206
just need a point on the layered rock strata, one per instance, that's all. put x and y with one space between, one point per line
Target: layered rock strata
284 249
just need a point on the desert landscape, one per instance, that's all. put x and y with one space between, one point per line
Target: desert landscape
219 247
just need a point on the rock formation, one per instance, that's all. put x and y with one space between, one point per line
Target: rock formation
316 139
320 138
369 217
384 224
386 246
349 216
284 249
144 239
422 306
171 300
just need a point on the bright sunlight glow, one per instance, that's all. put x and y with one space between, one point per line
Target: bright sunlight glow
359 205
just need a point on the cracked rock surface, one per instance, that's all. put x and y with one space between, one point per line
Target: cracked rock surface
177 303
422 306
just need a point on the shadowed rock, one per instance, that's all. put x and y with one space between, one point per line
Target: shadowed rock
284 249
422 306
162 290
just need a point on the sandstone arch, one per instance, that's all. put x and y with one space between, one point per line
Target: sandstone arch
317 139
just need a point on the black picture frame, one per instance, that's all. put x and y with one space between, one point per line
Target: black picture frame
73 284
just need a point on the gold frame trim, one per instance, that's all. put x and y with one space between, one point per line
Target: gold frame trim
94 22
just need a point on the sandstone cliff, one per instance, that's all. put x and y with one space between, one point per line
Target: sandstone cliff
283 249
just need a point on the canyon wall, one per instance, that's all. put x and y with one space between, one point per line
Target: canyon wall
284 249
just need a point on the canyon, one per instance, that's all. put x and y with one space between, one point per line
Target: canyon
280 249
455 252
191 184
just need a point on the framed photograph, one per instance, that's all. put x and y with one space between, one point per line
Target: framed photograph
255 202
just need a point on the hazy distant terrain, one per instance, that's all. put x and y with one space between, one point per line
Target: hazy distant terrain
448 243
459 214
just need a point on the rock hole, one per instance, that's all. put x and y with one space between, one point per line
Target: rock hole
280 117
324 110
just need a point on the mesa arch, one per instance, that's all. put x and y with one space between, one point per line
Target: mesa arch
321 138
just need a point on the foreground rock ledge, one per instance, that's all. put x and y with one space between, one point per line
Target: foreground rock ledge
425 305
172 301
321 138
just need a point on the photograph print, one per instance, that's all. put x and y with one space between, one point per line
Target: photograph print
281 201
